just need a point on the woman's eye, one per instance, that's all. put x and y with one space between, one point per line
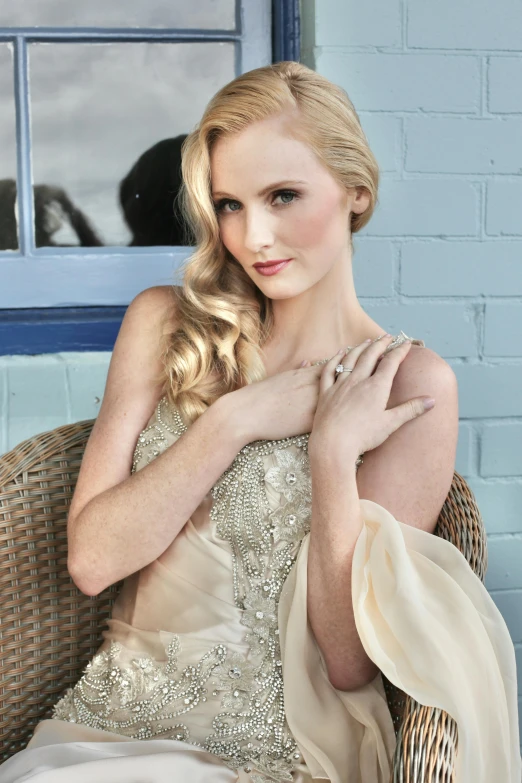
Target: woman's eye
227 205
222 204
284 194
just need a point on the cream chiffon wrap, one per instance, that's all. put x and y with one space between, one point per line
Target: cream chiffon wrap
429 624
424 618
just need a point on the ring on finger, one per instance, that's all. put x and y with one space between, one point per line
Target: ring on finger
341 368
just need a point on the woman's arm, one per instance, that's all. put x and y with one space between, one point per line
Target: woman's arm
120 522
409 474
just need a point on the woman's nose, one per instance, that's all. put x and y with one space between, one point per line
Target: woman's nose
258 231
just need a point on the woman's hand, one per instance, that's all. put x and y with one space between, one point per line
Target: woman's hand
280 406
351 416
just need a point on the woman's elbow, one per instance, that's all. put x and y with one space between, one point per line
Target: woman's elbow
343 681
82 577
84 573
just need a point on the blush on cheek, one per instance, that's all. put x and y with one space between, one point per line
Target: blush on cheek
320 225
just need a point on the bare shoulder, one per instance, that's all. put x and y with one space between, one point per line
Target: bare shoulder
422 364
422 451
132 390
424 372
135 361
153 305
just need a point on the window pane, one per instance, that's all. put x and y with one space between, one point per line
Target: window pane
96 109
206 14
8 222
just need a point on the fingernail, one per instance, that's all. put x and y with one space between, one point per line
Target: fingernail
428 403
341 350
368 340
303 363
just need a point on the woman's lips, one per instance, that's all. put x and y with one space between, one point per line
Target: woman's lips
272 268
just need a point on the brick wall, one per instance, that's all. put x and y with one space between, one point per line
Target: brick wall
38 393
438 87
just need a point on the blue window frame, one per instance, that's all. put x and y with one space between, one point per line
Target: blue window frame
43 307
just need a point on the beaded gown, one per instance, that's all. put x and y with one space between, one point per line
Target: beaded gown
209 670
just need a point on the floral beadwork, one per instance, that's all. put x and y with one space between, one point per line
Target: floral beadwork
235 679
260 614
291 475
291 521
141 698
155 438
258 737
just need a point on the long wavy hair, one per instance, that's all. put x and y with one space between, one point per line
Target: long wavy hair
222 320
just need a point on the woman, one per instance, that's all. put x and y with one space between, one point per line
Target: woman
273 517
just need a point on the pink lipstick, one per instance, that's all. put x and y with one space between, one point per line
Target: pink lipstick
272 267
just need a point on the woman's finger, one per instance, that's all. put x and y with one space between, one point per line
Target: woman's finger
407 411
346 357
363 358
327 377
388 364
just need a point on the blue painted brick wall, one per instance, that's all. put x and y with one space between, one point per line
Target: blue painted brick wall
438 88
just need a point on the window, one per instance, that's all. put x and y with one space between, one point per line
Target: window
95 96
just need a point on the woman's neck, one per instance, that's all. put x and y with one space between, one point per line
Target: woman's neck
279 359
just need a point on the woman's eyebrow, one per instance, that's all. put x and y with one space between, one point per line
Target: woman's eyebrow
265 190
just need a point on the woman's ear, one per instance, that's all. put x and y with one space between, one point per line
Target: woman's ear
361 200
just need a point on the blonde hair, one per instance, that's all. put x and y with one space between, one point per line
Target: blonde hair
222 318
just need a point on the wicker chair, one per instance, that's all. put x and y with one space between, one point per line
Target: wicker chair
49 629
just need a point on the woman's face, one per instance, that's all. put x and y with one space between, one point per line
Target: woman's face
275 201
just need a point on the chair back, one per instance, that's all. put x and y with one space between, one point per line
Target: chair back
48 628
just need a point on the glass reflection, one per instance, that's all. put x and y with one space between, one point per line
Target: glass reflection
59 222
146 196
108 121
8 217
162 14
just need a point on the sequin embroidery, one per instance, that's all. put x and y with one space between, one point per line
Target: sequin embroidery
154 440
140 699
